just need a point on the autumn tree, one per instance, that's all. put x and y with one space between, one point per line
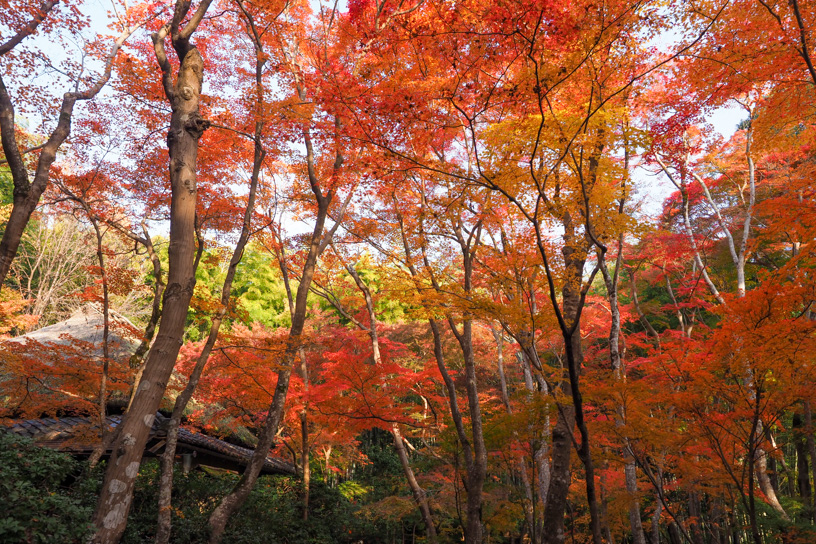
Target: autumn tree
186 127
21 22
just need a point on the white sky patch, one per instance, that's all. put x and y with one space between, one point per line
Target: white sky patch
653 187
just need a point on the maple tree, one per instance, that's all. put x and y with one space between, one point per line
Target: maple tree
23 21
418 230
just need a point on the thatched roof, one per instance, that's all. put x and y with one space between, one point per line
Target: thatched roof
85 327
78 436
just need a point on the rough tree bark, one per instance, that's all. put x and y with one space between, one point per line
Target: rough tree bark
164 522
186 128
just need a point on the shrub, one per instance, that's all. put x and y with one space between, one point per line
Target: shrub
44 500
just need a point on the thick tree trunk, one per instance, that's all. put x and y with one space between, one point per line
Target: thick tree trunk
305 447
695 523
764 480
563 433
560 479
186 128
478 471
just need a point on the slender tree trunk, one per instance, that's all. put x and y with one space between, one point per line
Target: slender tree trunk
155 310
186 128
811 443
305 448
541 450
419 494
656 521
232 501
695 523
571 331
643 319
683 188
99 450
802 465
630 469
473 448
530 499
753 441
304 461
318 242
168 457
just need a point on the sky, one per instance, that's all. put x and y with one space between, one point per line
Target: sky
653 188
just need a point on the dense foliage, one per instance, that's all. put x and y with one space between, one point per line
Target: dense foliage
480 271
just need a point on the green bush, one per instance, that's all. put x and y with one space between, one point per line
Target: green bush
44 501
272 514
50 499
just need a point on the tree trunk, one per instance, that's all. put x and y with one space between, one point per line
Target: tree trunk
553 529
656 520
155 311
304 438
419 494
616 358
99 450
186 128
319 240
164 522
761 468
802 465
529 504
27 192
811 442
